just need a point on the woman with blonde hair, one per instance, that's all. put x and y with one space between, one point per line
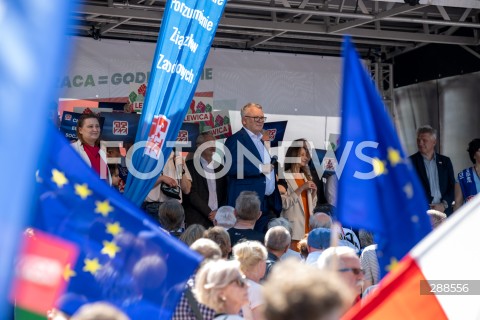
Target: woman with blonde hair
221 285
252 256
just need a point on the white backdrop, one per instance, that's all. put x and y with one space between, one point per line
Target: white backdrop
302 89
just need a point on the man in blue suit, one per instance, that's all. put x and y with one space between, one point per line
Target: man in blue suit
252 168
434 170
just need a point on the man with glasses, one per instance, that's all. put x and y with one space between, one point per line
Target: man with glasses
345 262
251 168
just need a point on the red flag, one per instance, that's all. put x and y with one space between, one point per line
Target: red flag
42 271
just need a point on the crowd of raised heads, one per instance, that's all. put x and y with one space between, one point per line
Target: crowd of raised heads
267 239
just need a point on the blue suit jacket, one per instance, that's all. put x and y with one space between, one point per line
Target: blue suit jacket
446 178
253 179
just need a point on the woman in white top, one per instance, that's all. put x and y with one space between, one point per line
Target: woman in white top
88 145
252 256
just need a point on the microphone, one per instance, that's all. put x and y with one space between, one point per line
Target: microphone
274 160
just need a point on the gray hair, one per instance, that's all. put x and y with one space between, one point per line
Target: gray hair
330 256
249 105
247 205
212 278
325 222
277 238
282 222
225 217
427 129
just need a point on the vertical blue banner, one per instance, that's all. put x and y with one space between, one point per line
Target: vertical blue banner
32 56
378 189
188 29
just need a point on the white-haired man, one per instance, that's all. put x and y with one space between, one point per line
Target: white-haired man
434 170
345 262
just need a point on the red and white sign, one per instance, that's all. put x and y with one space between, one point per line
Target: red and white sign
182 135
39 273
197 117
219 131
137 106
272 134
157 136
120 128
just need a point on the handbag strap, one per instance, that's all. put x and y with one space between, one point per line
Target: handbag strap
193 303
176 175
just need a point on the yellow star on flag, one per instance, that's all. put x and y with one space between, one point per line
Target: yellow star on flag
68 272
408 189
394 157
59 178
110 248
103 207
393 264
91 265
82 191
378 166
114 228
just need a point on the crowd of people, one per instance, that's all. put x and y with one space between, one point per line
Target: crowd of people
271 247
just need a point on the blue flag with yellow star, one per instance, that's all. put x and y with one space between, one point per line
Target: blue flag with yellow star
378 189
125 258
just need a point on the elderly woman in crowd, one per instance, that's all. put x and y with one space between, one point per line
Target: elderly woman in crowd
88 145
188 302
221 285
252 256
468 182
301 192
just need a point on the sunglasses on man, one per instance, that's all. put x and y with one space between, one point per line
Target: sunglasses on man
356 271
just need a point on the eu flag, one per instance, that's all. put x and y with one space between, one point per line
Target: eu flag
124 257
378 189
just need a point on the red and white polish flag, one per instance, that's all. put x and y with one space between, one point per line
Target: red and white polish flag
449 259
